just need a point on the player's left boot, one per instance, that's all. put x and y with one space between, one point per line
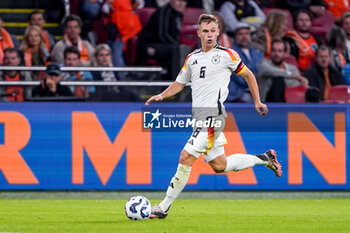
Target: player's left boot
273 164
157 212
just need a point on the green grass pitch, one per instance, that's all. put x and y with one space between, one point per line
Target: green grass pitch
187 215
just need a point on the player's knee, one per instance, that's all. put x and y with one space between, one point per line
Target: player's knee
218 164
182 160
218 168
186 158
218 171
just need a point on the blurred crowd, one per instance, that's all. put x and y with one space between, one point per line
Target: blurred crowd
288 44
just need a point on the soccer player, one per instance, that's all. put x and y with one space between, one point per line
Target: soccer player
209 70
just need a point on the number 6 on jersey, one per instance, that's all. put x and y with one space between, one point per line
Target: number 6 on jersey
202 72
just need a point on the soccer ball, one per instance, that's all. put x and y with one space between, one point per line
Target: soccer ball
138 208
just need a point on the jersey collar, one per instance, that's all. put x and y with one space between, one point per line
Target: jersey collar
210 50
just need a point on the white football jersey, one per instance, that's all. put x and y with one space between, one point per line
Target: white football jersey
209 74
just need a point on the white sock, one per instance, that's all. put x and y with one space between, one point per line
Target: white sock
237 162
177 184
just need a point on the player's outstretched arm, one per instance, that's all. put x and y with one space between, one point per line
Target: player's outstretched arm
254 89
173 89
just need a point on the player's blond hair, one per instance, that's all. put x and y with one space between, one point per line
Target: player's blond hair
206 18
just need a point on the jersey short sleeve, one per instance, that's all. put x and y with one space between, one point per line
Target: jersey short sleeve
184 75
234 62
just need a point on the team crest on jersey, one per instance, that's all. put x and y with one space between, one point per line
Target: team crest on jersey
215 59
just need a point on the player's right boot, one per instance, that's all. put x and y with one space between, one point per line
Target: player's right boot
273 164
157 212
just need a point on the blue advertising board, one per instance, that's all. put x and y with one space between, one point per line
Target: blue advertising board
111 146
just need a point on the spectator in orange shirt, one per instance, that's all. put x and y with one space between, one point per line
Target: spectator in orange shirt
275 26
5 40
302 43
126 23
34 50
33 47
322 74
338 8
37 18
72 58
14 93
72 28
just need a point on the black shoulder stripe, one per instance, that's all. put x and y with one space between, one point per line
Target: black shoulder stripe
195 51
221 47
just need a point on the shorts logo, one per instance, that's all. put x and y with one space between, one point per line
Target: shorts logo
215 59
151 120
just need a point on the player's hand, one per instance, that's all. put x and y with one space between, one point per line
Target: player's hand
261 109
154 98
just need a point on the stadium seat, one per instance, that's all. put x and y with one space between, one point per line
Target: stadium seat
130 51
339 94
188 32
289 16
295 94
191 16
321 25
145 14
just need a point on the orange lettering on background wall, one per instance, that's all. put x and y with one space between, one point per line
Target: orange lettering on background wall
88 134
304 137
16 136
235 145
